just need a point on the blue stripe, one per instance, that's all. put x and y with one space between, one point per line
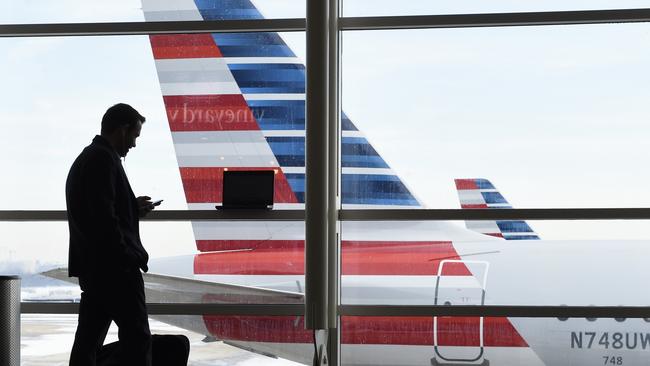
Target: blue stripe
279 114
227 9
289 151
513 226
259 44
362 161
287 145
500 206
232 14
286 115
372 189
366 189
269 78
493 197
354 140
297 184
521 237
357 152
300 196
346 124
254 39
483 184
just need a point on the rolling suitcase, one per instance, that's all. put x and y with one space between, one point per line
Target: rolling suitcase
166 350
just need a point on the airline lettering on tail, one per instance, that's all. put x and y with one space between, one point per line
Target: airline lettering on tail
215 115
607 340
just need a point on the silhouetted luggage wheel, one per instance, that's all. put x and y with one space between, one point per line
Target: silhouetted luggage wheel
167 350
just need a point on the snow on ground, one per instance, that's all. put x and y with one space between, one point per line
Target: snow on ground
47 339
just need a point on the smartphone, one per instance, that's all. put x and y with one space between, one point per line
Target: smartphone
156 203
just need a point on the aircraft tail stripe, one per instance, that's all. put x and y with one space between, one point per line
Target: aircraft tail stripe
216 138
168 5
205 184
279 114
493 197
274 96
183 46
457 331
380 189
473 205
481 194
228 161
227 9
355 153
209 113
513 226
199 88
172 15
208 64
452 331
219 245
496 235
441 248
357 258
169 10
463 184
248 230
224 155
521 237
399 258
248 45
269 78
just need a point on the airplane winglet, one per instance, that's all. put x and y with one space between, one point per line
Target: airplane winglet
479 193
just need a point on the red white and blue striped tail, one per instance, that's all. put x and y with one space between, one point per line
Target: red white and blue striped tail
237 101
478 193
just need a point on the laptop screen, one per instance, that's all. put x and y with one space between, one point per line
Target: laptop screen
248 189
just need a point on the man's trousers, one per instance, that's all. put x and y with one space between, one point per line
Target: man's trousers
119 298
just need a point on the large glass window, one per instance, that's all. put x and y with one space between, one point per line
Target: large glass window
474 118
525 117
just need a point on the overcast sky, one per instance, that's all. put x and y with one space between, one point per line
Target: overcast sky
553 116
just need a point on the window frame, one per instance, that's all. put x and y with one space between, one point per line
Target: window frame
327 185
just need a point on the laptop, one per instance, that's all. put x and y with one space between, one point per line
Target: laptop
248 189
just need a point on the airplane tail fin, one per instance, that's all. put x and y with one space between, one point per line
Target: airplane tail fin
478 193
237 101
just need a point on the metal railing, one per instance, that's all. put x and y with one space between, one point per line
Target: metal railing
345 23
512 311
364 215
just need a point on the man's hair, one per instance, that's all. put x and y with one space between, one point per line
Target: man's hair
120 115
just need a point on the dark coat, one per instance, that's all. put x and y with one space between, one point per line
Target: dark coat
102 215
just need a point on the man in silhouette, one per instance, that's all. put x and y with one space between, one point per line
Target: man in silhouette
105 252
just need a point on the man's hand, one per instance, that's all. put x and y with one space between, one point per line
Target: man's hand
145 205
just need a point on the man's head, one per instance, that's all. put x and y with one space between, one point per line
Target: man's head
121 126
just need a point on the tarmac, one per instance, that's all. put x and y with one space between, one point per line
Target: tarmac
47 340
